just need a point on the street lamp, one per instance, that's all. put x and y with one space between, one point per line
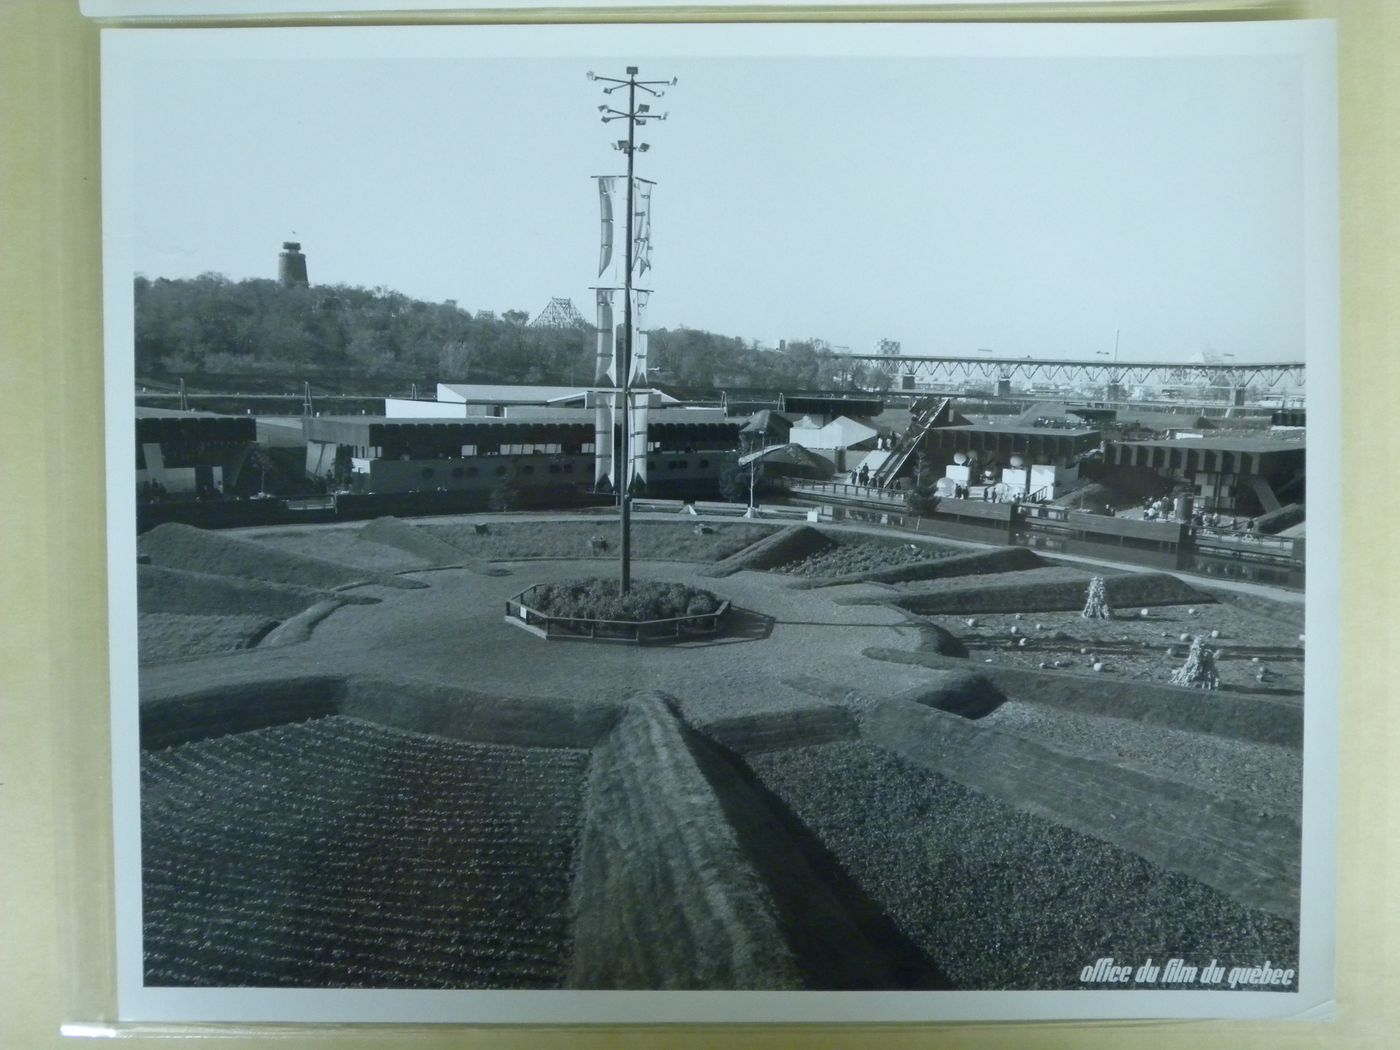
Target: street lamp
635 114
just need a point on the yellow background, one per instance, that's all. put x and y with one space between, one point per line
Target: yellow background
55 949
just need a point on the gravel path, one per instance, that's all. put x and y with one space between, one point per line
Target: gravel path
1000 899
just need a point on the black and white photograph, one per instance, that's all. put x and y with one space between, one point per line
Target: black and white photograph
638 514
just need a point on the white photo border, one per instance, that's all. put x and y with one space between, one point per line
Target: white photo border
1312 42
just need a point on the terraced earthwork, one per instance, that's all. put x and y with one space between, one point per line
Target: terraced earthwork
360 776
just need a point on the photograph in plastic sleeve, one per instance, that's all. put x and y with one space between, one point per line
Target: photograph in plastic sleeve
646 512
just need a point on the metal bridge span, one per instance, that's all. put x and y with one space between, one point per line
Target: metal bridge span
1162 373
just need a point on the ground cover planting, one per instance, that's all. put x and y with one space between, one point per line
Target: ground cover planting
507 540
339 853
963 875
855 553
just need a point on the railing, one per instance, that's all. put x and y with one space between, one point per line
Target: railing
549 626
909 441
844 489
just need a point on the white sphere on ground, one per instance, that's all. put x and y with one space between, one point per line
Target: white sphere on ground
1023 641
1215 634
972 623
1083 650
1042 665
1145 613
1185 638
1098 666
1040 627
1254 659
1190 612
1019 616
1015 630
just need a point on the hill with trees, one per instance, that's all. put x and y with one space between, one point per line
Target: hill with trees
211 326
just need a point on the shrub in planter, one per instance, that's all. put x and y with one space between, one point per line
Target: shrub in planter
598 599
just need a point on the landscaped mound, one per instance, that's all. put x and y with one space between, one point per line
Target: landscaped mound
997 897
165 636
391 532
177 546
494 540
600 599
161 590
790 544
1126 590
945 564
859 555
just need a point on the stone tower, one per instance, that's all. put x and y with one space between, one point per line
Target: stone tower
291 265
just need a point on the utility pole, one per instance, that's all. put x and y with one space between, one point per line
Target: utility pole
635 114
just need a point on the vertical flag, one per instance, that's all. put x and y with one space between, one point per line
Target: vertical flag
605 370
638 371
605 209
641 226
603 441
637 439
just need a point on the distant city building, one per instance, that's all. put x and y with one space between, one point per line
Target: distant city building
291 265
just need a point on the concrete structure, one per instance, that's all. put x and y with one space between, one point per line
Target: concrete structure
1023 460
189 453
1229 473
503 400
687 453
291 265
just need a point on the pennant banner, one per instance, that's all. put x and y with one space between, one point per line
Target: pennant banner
641 227
637 440
605 371
605 209
639 360
603 442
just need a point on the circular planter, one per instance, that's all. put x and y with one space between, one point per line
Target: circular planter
524 611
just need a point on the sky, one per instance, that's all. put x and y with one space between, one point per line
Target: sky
1031 204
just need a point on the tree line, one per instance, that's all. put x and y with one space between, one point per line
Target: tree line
213 326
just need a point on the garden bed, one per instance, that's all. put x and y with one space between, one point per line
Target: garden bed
338 853
595 609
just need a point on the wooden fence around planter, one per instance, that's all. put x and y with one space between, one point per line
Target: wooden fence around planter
551 627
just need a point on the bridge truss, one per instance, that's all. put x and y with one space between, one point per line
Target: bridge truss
1160 373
